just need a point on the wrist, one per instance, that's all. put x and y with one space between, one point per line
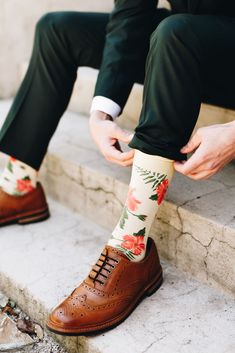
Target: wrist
232 127
99 115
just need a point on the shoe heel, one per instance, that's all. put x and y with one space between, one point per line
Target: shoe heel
154 287
37 217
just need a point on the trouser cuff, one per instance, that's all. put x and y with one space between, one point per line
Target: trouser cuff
166 152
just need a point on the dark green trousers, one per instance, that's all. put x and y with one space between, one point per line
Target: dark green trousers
190 60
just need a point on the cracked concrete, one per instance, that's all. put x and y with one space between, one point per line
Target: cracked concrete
195 215
49 259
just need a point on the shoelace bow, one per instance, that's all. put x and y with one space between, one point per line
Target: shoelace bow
100 268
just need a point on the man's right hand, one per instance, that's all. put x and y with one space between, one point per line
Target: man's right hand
107 134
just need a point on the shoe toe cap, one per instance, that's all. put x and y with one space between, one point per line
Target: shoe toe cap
65 317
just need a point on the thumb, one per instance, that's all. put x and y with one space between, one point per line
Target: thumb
123 135
193 143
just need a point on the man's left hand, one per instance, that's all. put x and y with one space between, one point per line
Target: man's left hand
213 147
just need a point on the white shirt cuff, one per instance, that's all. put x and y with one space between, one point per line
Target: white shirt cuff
105 105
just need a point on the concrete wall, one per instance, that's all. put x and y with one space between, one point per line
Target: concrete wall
17 22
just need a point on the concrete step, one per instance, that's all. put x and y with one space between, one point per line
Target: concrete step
41 263
195 227
84 89
21 31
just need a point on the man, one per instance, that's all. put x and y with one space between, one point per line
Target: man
189 55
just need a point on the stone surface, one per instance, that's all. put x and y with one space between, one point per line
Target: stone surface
42 263
40 341
10 337
195 226
16 37
3 301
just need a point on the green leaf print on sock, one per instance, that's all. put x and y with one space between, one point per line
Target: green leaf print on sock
26 178
159 182
126 252
124 217
10 166
153 197
141 233
151 177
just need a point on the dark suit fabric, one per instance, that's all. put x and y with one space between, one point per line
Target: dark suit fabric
190 58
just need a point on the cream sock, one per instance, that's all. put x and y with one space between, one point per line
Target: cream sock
18 178
151 176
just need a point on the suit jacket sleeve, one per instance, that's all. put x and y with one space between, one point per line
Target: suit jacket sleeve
127 40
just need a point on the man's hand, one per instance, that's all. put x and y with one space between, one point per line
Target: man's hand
106 134
213 148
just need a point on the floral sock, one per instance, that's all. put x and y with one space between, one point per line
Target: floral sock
18 178
150 179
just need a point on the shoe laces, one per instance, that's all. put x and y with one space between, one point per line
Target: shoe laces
103 268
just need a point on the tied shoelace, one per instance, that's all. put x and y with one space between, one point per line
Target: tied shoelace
103 268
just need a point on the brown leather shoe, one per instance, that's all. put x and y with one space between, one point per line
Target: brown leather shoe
113 289
29 208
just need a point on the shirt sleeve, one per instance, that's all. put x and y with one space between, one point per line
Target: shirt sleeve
105 105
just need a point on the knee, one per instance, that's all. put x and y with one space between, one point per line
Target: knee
49 23
44 23
172 29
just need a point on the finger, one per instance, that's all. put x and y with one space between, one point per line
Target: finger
189 166
123 164
193 143
112 152
202 175
122 135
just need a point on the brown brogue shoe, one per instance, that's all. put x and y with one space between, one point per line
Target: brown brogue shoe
28 208
113 289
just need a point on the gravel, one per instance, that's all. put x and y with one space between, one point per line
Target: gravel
41 345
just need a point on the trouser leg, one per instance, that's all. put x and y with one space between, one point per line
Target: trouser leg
191 59
63 41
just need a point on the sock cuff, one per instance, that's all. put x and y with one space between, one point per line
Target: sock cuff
142 155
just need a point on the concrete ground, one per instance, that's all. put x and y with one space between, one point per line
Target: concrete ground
49 259
43 342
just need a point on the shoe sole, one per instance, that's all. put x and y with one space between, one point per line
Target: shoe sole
27 218
151 289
